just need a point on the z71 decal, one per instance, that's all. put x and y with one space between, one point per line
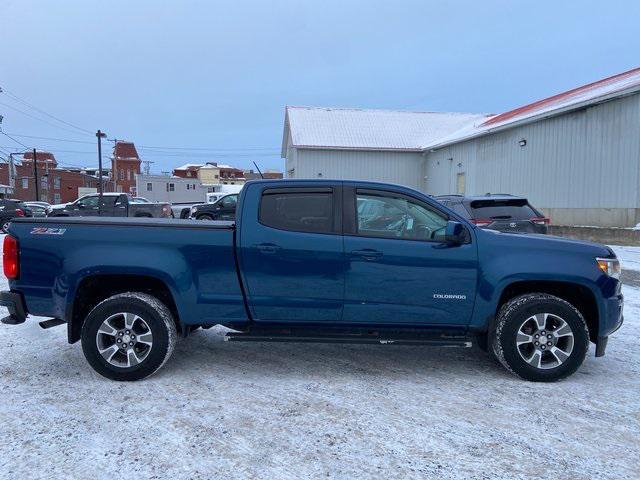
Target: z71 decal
48 231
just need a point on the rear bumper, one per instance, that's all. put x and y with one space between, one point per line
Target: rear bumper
15 304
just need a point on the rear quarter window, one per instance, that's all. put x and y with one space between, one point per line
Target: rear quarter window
310 212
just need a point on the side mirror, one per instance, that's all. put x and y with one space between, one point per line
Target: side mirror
454 233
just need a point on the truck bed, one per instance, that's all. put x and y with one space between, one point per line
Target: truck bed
196 260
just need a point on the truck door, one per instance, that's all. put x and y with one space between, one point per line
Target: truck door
291 254
84 207
399 270
116 206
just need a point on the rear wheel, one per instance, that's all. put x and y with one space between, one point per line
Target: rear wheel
204 217
128 336
540 337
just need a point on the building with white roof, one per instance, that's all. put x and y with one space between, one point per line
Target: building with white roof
575 155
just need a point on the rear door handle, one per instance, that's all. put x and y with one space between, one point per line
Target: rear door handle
267 248
367 254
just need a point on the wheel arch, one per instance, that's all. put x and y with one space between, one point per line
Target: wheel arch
93 289
578 295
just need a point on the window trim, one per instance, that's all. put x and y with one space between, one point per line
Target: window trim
351 206
336 198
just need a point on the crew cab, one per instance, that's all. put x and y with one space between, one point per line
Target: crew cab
112 205
314 261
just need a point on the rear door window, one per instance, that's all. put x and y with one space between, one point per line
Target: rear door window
298 210
516 209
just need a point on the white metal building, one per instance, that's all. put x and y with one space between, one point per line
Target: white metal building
575 155
162 188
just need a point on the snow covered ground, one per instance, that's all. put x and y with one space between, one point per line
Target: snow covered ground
233 410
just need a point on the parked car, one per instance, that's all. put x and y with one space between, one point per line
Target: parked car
38 209
222 209
502 212
10 209
303 264
113 205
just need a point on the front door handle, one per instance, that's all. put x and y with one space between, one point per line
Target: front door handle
267 248
368 254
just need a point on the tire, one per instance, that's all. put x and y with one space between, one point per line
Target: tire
513 341
152 345
5 226
204 217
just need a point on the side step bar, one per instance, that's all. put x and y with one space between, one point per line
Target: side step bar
436 342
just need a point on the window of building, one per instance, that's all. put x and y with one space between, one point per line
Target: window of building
56 183
171 187
149 187
217 176
44 181
56 198
188 173
121 173
298 211
390 216
128 174
460 183
25 183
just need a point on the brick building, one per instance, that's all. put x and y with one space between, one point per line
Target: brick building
125 164
56 185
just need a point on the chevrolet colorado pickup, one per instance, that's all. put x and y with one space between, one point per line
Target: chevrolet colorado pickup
314 261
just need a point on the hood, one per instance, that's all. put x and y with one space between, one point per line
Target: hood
58 206
544 242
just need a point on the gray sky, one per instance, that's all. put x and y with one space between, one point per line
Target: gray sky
217 75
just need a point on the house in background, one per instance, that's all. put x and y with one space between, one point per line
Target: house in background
576 155
56 184
125 165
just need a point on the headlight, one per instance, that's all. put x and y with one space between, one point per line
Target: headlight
610 266
194 209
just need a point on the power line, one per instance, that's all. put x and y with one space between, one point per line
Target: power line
52 138
18 142
18 99
39 119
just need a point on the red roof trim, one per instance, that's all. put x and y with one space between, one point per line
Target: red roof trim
547 101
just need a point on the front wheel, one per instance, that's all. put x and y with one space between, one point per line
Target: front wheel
204 217
128 336
540 337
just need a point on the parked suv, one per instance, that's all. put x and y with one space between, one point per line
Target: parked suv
503 212
113 205
222 209
10 209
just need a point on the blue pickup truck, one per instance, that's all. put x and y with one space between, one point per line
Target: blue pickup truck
314 261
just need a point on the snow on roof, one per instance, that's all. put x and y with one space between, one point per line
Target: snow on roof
188 166
580 97
358 129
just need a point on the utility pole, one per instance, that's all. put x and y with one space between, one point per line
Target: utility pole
100 136
35 172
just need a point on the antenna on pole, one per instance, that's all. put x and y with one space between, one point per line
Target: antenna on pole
258 168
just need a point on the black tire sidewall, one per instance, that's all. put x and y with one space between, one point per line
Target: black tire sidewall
156 356
205 217
544 305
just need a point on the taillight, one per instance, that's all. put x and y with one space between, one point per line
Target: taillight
481 222
19 212
10 261
541 220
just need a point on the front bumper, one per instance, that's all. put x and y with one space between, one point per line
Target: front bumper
613 321
15 304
